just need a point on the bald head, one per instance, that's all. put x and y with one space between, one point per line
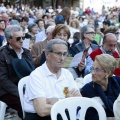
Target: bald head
109 43
110 37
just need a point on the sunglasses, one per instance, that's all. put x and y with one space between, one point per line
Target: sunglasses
117 33
90 33
19 38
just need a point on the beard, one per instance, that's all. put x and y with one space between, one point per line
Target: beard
110 52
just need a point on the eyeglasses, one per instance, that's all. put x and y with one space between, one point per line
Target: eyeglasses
19 38
92 33
117 33
60 54
96 70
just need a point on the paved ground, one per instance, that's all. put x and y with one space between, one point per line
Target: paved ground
17 118
12 118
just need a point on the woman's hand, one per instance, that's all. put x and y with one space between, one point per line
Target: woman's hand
81 66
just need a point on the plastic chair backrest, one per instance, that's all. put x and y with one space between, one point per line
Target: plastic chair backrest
21 85
72 104
2 110
116 108
87 78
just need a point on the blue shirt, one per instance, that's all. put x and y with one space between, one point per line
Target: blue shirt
89 62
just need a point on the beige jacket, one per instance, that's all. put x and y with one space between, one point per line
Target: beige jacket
37 50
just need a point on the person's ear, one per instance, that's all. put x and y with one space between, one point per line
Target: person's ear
47 54
84 35
9 40
108 74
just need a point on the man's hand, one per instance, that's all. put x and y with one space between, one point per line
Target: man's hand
51 101
73 93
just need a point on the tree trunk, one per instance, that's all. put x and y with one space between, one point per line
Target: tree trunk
54 4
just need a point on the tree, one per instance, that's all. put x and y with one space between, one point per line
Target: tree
54 3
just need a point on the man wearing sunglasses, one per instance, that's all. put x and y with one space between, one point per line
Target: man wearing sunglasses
8 77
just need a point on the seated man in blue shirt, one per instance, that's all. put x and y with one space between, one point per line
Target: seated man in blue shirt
108 47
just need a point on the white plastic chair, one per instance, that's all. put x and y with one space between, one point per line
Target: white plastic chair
21 84
72 104
87 78
116 108
2 110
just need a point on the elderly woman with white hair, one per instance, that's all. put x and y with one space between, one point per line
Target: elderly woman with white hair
31 35
103 84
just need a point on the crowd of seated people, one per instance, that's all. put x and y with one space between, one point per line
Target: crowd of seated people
27 45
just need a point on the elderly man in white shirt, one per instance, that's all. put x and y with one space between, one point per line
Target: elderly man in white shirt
49 83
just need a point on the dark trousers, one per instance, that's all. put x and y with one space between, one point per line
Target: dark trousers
35 116
13 102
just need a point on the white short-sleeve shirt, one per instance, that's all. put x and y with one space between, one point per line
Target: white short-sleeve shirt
43 83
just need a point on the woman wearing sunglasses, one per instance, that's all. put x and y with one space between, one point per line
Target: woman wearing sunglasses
104 85
87 40
77 65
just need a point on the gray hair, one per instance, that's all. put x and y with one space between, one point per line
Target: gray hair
14 22
10 29
31 25
50 29
107 62
84 30
51 43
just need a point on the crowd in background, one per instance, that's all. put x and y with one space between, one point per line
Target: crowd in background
24 15
83 31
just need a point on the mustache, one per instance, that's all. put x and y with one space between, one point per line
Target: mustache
110 52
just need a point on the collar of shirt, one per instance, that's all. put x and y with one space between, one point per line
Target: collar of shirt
103 51
48 72
18 54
